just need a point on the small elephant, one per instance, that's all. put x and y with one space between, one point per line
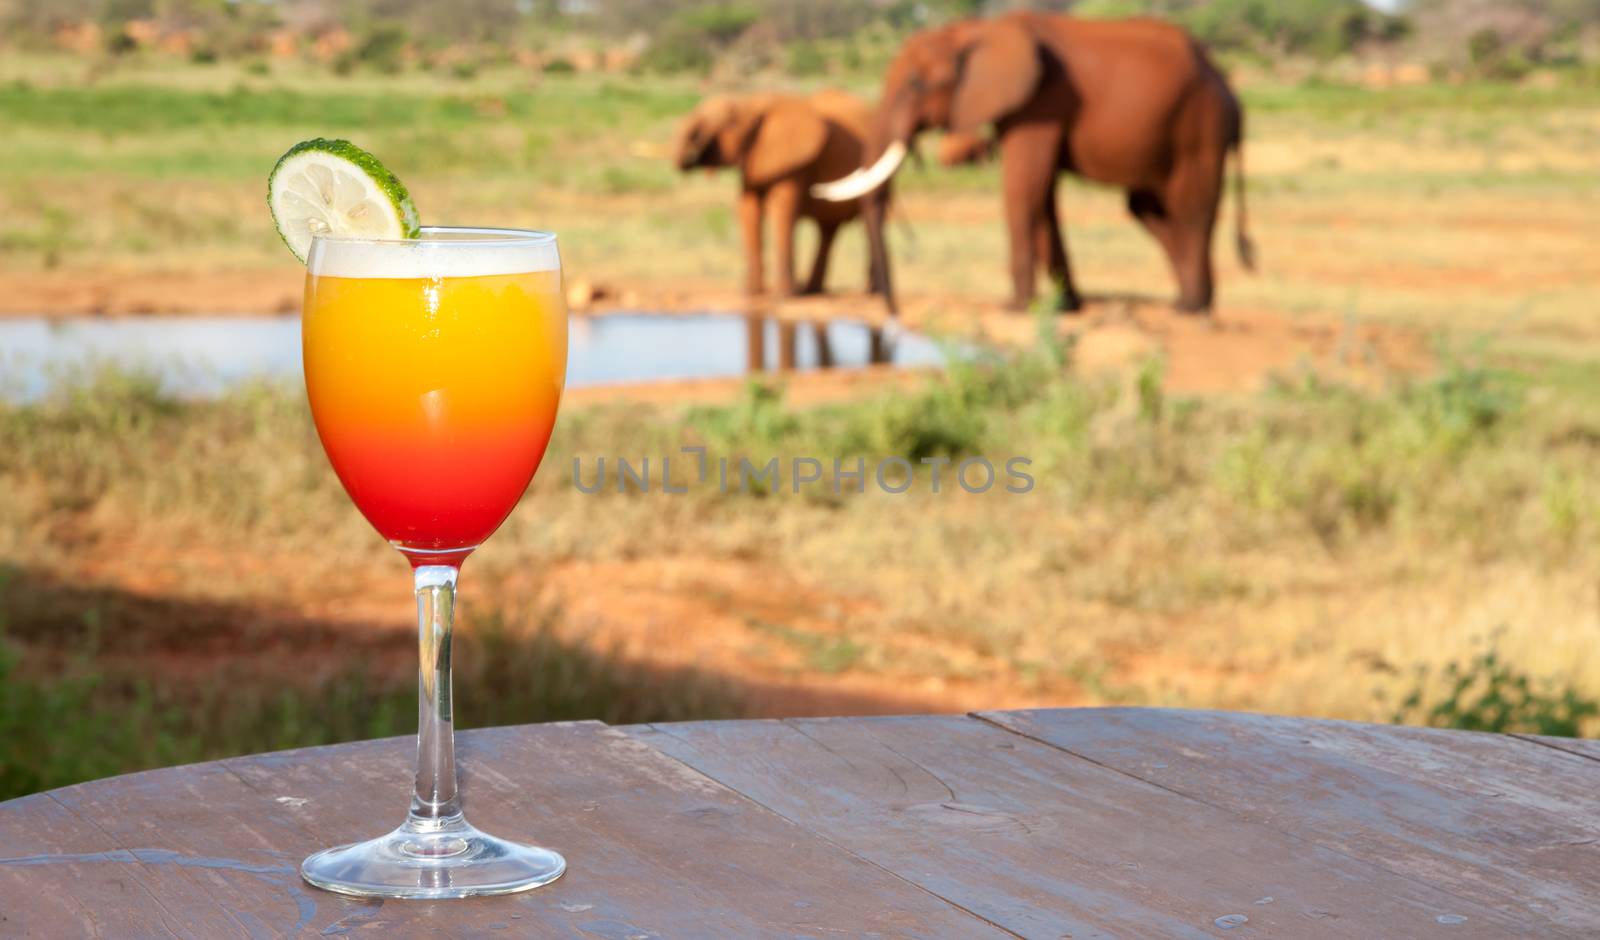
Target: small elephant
782 146
1135 104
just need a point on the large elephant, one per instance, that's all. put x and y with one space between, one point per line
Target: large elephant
1132 103
782 146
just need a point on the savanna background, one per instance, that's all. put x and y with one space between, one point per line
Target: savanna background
1365 489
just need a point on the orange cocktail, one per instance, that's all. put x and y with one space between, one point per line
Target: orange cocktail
435 395
434 366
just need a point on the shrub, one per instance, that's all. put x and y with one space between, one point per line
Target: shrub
383 49
806 59
676 50
692 38
119 43
1490 56
1317 27
720 23
1486 693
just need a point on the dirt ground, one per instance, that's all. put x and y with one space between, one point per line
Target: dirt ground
712 616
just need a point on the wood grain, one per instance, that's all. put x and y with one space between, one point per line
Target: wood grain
1505 821
1081 823
1583 747
58 881
656 850
1047 847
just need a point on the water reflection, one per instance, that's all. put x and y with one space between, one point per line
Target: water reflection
759 330
204 355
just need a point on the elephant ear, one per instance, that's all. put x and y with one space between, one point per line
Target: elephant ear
734 122
1000 71
791 136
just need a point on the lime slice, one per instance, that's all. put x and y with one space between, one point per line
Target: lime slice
333 187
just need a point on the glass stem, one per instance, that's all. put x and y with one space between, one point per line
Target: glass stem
435 805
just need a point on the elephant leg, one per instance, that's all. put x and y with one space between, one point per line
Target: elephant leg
1192 258
1028 155
1020 218
819 267
1192 196
1151 211
874 213
874 279
1050 251
750 229
783 199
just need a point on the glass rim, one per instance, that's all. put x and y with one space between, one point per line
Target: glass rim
475 236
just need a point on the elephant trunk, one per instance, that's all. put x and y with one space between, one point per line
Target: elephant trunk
684 153
689 151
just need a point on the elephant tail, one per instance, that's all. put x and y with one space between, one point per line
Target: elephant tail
1241 237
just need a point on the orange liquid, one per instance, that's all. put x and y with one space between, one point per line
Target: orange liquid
435 397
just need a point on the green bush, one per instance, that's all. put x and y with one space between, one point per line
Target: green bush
719 23
957 416
1492 57
119 43
693 36
383 49
805 59
1488 694
1462 404
676 50
1323 28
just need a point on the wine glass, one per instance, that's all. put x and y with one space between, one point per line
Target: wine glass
434 367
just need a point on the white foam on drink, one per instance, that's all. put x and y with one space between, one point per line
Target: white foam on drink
447 253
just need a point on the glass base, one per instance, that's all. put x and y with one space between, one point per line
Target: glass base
450 861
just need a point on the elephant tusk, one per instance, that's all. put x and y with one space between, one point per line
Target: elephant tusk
863 181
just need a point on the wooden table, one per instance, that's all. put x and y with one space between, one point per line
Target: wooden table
1078 822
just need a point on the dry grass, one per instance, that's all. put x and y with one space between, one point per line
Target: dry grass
1302 550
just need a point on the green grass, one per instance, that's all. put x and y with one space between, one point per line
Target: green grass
164 133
